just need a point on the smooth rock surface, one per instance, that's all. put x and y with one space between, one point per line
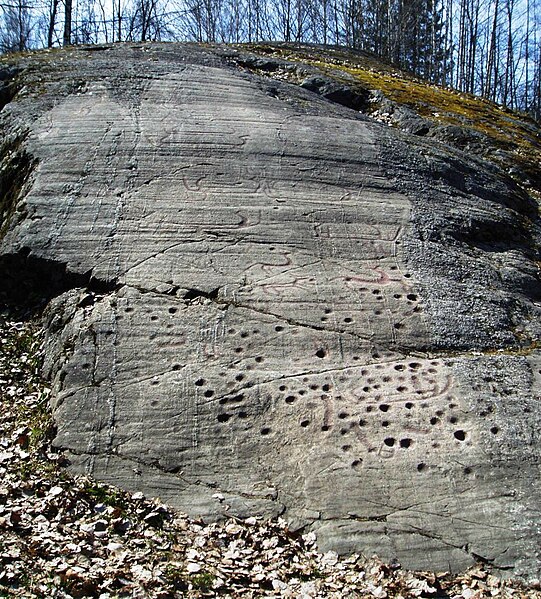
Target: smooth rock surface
267 304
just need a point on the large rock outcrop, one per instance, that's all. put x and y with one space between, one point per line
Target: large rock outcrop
263 302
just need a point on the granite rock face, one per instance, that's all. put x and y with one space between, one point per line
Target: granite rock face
263 303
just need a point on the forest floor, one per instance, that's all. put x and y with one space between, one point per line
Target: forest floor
64 535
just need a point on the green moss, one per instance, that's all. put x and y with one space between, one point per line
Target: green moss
100 493
202 581
176 577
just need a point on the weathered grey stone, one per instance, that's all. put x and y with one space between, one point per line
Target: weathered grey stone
335 92
265 303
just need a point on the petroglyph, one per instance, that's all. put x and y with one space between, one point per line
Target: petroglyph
250 303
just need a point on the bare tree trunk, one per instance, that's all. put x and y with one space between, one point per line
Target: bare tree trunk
119 17
67 22
52 22
527 57
491 71
509 70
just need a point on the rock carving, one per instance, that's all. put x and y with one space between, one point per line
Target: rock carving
268 297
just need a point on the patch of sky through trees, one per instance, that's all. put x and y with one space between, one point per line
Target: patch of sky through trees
487 47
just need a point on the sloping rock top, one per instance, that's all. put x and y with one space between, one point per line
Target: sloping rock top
264 302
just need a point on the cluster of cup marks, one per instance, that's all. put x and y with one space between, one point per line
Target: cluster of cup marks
405 373
405 383
381 305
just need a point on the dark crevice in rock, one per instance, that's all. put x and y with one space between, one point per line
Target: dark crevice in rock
16 166
355 98
32 281
193 294
492 236
265 65
9 86
97 48
377 518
